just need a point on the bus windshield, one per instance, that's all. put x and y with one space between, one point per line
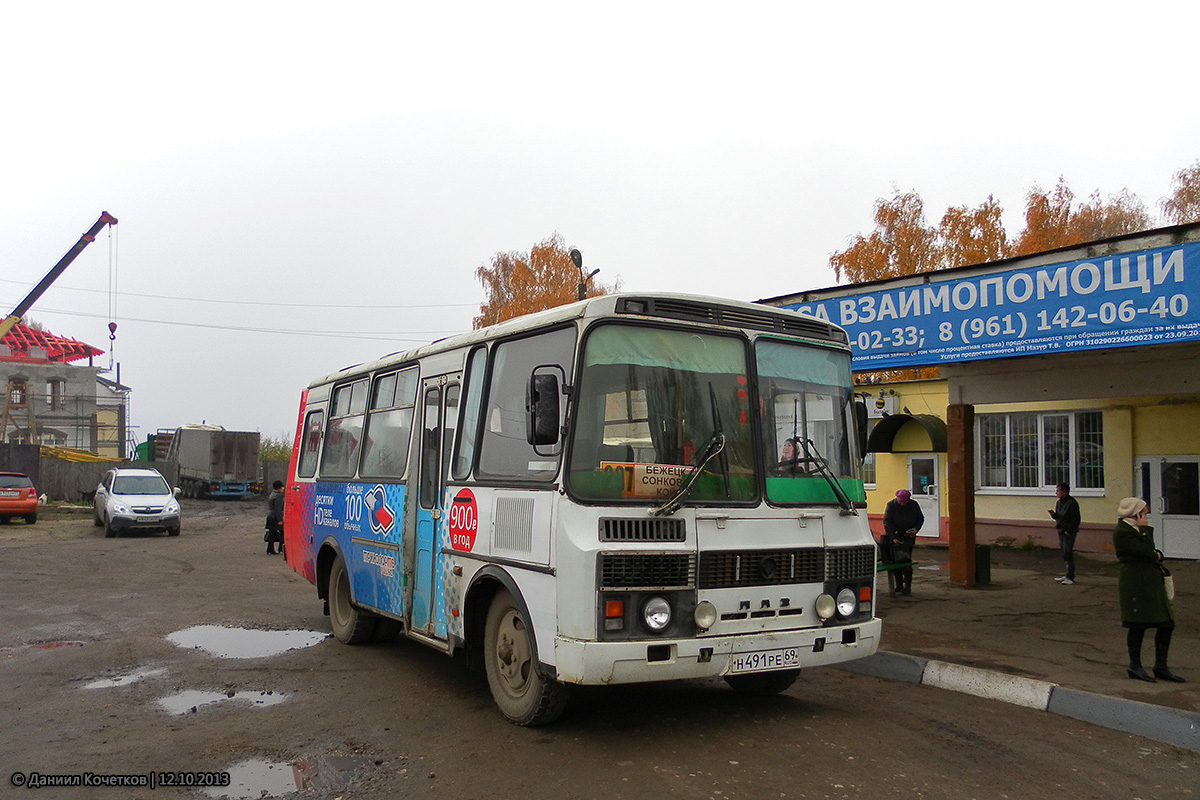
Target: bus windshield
651 404
807 423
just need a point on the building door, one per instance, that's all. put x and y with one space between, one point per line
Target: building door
1171 485
922 482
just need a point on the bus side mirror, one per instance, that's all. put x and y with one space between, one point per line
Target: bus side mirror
542 408
860 426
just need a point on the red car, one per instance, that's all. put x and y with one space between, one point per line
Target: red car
18 498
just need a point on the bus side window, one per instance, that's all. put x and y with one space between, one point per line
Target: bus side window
504 450
451 419
427 494
468 429
339 457
310 443
390 424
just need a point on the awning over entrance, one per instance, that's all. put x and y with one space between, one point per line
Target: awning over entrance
884 435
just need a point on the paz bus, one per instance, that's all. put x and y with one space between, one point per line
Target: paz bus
629 488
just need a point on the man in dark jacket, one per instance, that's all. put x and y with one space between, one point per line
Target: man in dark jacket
902 518
275 518
1066 520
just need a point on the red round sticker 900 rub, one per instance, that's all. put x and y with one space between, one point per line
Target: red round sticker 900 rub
464 521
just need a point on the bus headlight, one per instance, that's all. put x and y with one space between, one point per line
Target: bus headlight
847 602
656 614
705 615
825 607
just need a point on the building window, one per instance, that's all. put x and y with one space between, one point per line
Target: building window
56 394
1033 450
16 393
868 467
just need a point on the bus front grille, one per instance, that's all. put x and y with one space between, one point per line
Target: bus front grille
848 563
642 530
646 570
723 569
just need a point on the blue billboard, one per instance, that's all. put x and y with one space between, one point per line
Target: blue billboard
1129 299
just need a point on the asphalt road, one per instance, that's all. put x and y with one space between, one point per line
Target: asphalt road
94 683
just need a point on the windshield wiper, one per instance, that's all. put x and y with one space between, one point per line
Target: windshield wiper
715 446
822 467
719 430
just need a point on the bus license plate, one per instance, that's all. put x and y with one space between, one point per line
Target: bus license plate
760 660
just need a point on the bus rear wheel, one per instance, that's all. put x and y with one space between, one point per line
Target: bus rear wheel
523 695
350 624
763 684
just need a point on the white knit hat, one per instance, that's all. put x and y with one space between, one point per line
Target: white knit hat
1130 507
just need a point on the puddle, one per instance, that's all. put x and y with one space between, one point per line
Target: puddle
125 680
258 777
186 702
224 642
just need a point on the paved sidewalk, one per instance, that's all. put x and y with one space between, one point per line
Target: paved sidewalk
1025 638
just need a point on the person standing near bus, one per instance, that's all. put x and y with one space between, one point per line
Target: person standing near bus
275 518
1066 520
902 518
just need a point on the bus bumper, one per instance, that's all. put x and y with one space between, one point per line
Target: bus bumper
592 663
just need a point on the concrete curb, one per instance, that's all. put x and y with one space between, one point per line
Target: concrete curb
1169 725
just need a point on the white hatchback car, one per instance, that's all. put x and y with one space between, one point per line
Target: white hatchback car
136 499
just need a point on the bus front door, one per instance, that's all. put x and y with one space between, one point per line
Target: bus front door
439 417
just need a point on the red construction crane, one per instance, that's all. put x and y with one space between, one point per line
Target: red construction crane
52 275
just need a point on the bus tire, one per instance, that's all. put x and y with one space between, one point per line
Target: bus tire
763 684
523 695
351 625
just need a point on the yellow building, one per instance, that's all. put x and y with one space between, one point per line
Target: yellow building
1079 365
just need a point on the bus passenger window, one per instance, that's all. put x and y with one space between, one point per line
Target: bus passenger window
339 457
310 442
464 450
389 425
428 485
450 420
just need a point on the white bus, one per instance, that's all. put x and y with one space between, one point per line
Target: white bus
630 488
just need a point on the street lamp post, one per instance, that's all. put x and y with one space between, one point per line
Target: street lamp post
577 260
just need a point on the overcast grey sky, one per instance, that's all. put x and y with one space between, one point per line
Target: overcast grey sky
303 186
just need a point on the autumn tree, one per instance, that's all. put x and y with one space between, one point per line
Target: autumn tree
1123 213
1051 220
1047 220
972 235
901 244
521 283
1184 205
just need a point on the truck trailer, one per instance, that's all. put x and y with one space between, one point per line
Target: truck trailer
214 462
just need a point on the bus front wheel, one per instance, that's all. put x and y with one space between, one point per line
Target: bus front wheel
524 696
350 624
763 684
